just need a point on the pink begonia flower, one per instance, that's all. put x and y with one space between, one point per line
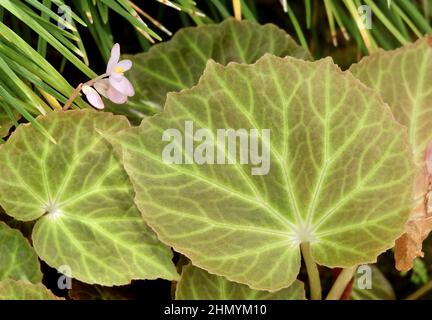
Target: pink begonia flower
116 69
117 88
104 88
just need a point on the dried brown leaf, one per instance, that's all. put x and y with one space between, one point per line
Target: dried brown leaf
409 246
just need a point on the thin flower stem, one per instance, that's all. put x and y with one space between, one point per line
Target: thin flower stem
71 99
77 90
420 291
341 283
312 270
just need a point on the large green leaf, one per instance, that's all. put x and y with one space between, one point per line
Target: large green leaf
24 290
198 284
177 64
341 172
18 260
82 198
403 77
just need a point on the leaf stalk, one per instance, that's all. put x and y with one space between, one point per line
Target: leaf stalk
313 273
341 283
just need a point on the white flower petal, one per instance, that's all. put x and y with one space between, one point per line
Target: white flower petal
93 97
125 65
102 86
121 84
116 97
114 59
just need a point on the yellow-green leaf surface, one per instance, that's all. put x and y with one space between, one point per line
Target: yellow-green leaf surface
177 64
198 284
24 290
403 77
5 124
82 199
18 259
340 174
381 288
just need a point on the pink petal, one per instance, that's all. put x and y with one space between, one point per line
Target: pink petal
93 97
115 96
125 65
121 84
114 59
102 87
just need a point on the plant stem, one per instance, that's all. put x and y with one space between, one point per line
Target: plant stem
237 9
341 283
71 99
312 270
421 291
77 90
